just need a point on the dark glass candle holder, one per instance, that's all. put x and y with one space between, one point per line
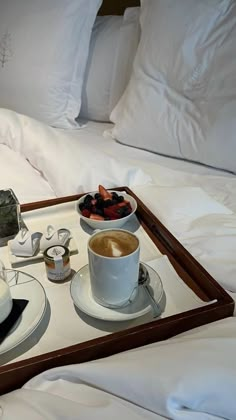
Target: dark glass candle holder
9 216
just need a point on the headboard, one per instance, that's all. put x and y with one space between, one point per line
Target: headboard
116 7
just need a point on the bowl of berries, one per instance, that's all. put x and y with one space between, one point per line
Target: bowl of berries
105 209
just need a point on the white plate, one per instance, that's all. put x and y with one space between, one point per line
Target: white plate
24 286
81 294
14 260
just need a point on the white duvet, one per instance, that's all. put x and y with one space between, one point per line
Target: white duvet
69 165
196 203
180 378
191 377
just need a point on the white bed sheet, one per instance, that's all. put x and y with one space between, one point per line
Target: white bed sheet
39 162
69 164
17 173
190 377
209 235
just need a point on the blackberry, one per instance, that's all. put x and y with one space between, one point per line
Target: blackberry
97 196
127 211
87 206
120 198
107 203
121 211
114 195
88 199
100 203
99 211
81 206
114 201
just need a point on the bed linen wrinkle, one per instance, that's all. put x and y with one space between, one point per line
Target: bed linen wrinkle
73 162
59 162
17 173
176 389
69 164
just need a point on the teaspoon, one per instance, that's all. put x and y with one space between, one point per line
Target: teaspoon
143 281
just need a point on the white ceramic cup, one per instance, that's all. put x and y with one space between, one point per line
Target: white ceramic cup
114 279
5 295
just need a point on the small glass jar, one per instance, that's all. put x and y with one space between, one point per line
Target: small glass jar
57 262
9 216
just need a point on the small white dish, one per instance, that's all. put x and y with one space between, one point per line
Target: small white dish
24 286
26 243
107 224
14 260
54 236
81 295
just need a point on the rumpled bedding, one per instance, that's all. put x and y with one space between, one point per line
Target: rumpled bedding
180 378
206 227
16 172
190 377
47 162
68 165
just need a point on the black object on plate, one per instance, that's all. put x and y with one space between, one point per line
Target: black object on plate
17 309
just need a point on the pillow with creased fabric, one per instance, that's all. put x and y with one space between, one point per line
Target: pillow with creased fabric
112 49
43 53
181 99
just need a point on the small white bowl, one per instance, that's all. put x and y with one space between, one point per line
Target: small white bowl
107 224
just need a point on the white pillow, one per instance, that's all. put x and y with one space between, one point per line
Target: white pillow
129 38
179 101
112 48
43 53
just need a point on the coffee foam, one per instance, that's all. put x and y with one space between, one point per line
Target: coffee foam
114 244
114 248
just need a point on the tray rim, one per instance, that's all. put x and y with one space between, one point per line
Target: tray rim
15 374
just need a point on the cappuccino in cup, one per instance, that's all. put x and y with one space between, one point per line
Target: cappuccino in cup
114 243
114 267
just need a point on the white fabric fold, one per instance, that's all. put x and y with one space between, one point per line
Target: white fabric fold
74 402
176 378
178 207
192 376
204 226
69 164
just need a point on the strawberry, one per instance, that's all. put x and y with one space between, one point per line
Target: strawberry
96 216
112 212
86 213
106 195
124 203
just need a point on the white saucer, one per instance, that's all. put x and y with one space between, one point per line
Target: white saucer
24 286
81 294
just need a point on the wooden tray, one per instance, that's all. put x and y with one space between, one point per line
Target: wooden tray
14 375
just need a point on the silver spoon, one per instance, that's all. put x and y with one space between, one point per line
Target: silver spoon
143 281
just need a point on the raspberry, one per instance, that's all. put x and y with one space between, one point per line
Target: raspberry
86 213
